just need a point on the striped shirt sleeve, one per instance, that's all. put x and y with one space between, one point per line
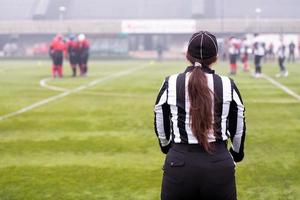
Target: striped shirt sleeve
162 118
236 124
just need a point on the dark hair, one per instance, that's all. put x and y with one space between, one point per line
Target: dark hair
200 101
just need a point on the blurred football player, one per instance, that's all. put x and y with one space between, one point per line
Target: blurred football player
245 55
73 53
259 53
233 54
56 51
292 47
83 53
281 60
270 52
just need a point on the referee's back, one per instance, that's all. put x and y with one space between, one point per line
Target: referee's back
198 164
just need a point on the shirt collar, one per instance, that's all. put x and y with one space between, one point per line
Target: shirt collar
204 69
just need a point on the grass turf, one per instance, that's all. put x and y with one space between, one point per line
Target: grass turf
99 143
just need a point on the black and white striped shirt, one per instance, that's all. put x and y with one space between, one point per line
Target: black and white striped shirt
172 123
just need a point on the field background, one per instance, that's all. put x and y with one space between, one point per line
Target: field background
99 143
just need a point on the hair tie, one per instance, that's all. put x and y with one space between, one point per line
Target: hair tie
197 64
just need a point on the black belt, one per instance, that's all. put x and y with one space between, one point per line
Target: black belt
197 147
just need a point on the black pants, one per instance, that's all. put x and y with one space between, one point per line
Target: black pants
57 58
291 57
83 58
257 62
73 58
190 173
232 58
281 64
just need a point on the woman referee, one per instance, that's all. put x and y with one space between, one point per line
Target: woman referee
196 112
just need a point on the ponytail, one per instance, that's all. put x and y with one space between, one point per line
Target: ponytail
201 117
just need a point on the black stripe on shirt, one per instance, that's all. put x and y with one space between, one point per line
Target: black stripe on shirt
244 121
162 90
237 91
180 102
218 105
166 116
232 119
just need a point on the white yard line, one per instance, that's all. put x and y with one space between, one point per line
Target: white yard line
66 93
279 85
43 83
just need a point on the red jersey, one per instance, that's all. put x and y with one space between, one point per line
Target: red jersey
84 44
58 44
72 46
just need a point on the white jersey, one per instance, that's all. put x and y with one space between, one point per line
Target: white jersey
259 50
281 51
233 50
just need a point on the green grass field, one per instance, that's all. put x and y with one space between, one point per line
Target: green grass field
99 143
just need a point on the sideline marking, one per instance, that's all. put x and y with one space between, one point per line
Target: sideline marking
68 92
43 83
279 85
